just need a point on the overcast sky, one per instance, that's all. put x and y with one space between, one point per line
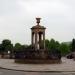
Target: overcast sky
18 16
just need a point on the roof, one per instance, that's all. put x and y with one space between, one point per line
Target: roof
38 27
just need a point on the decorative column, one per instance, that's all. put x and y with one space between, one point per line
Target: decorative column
44 39
32 38
40 40
36 42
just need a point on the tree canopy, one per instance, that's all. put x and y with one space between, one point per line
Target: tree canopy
52 44
6 45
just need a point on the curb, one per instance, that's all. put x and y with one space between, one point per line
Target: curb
34 71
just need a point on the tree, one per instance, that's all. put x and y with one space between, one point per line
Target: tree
17 47
0 48
23 47
53 47
9 47
52 44
64 48
73 45
57 45
47 44
6 45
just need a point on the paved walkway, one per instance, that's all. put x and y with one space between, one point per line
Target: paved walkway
66 65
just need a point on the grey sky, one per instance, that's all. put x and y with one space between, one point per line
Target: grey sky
18 16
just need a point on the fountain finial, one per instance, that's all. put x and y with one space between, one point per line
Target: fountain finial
38 20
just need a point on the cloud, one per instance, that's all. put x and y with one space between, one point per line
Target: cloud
43 7
18 16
